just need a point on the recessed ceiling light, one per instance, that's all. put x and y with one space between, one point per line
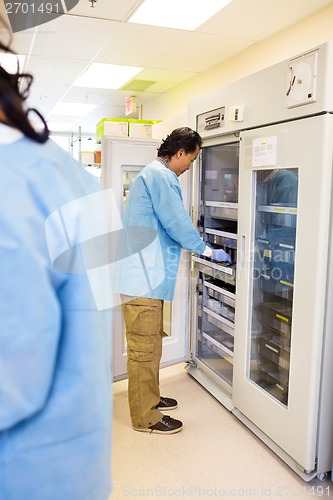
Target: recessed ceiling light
184 14
72 109
10 61
58 126
106 76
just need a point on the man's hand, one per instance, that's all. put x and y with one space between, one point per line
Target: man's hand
221 256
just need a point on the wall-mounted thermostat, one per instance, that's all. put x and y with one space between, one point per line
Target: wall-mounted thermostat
235 113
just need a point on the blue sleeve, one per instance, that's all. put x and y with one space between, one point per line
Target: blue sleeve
168 205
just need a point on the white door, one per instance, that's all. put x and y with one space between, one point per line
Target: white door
122 160
284 218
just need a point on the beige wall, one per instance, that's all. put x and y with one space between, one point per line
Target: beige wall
172 106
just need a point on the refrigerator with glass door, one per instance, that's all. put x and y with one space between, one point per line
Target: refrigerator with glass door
262 328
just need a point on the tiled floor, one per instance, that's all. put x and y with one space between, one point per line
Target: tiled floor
214 456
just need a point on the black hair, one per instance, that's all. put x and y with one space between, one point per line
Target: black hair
180 138
14 90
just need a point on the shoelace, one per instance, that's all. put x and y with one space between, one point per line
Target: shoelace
165 420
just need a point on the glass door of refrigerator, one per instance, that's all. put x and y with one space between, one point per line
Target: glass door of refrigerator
284 237
215 290
273 280
128 175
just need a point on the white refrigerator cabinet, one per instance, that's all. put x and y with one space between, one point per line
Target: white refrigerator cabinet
122 160
262 328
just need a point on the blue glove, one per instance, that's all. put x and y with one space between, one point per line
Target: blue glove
221 256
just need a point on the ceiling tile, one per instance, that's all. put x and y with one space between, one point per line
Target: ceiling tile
88 96
73 37
22 42
45 96
59 71
137 45
106 9
138 85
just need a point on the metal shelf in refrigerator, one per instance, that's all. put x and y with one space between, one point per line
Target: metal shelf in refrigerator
219 346
224 234
221 204
222 210
277 338
277 209
219 318
222 327
218 271
275 372
275 389
279 287
278 309
273 353
231 297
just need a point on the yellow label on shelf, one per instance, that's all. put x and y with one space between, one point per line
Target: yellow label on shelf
287 283
282 317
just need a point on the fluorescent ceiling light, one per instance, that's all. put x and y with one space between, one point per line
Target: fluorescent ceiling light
58 126
106 76
178 14
9 62
72 109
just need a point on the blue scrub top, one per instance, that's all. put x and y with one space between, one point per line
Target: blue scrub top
55 377
157 227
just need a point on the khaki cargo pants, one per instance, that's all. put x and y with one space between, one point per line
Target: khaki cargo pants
144 332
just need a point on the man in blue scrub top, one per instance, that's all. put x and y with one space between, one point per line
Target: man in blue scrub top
55 380
147 273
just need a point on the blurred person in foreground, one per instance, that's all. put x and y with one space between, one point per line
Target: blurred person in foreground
147 272
55 380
